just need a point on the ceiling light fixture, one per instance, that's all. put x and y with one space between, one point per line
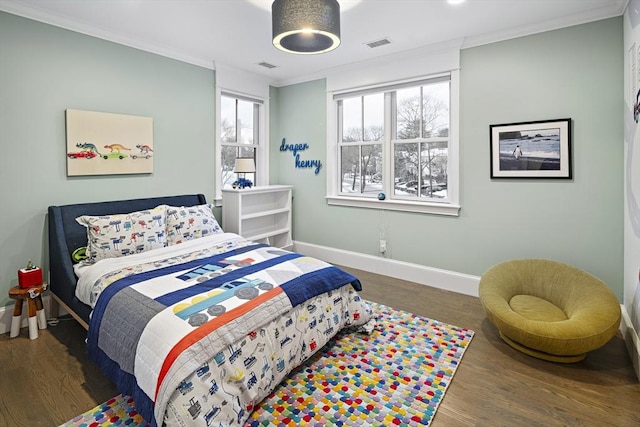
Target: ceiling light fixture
306 26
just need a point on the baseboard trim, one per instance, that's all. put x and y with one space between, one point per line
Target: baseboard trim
438 278
435 277
6 314
631 339
429 276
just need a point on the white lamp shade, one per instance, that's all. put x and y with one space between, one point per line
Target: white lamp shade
245 165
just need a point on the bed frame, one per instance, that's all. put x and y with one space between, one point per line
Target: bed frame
66 235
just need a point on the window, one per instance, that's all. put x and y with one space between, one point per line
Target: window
361 138
239 134
399 140
421 141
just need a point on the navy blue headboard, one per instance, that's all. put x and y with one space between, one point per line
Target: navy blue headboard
66 235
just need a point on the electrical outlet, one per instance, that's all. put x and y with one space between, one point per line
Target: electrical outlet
383 246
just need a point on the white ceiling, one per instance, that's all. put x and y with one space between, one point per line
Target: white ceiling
237 33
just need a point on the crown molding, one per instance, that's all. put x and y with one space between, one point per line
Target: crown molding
612 11
616 9
376 61
37 14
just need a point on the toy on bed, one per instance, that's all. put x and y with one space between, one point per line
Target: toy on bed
196 324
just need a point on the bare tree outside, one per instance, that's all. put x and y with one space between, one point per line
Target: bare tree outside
420 145
420 167
238 119
362 160
416 119
227 131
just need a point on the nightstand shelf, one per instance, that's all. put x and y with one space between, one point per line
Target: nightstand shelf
261 214
266 213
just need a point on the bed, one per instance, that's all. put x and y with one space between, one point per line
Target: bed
198 325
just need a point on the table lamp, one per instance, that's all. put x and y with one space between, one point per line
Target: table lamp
244 165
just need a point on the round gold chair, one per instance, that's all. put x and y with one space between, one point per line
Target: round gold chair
549 310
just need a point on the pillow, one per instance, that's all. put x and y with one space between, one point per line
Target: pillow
191 222
111 236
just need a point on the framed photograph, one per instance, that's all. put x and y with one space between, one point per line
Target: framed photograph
108 144
540 149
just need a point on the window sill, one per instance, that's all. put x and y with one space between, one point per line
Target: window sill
396 205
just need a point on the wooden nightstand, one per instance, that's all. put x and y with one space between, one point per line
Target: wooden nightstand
33 296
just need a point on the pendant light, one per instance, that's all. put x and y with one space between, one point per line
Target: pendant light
306 26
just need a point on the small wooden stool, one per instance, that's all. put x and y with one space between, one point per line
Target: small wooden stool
36 310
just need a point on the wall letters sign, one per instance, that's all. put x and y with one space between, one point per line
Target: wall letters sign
301 164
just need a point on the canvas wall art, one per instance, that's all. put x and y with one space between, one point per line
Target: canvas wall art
108 144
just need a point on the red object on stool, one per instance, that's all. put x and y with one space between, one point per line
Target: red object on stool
28 278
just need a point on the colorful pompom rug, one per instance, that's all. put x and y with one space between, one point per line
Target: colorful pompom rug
396 376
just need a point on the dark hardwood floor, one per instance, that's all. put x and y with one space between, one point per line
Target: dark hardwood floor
48 381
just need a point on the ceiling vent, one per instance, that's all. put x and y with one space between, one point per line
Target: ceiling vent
378 43
266 65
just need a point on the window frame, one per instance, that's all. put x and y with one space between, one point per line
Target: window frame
431 206
259 133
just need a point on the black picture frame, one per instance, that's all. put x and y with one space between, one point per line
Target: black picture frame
537 149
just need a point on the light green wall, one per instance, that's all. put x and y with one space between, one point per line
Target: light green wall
274 158
45 70
301 118
573 72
